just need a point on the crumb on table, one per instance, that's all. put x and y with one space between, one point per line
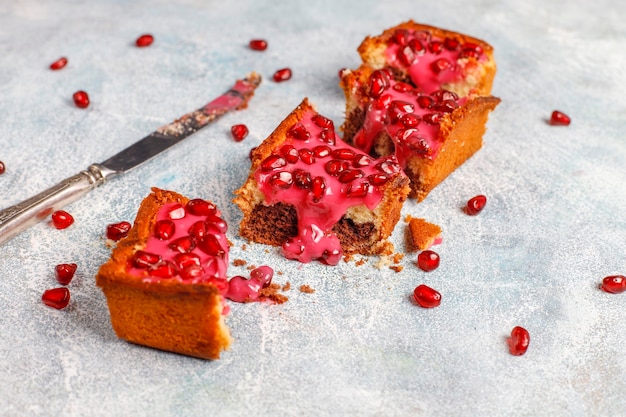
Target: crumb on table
306 289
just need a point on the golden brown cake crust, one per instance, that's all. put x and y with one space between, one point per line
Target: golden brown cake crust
255 226
168 314
422 234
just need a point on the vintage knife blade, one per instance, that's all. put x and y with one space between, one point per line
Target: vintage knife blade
19 217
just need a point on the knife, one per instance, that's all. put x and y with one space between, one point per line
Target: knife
19 217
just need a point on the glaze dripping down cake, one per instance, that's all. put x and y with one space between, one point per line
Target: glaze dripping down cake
317 196
422 94
165 281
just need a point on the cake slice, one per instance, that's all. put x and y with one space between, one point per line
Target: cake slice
431 58
164 282
318 197
431 134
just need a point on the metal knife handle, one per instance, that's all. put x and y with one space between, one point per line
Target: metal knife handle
19 217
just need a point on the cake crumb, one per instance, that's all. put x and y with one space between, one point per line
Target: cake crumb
239 262
383 261
287 286
397 257
271 293
244 247
396 268
360 262
421 234
251 267
348 258
306 289
280 273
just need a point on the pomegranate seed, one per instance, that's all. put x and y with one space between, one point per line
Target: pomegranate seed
58 64
282 180
318 188
335 167
143 259
62 219
117 231
323 122
475 205
144 40
258 44
191 272
440 65
57 298
378 179
344 154
379 82
358 190
447 106
211 246
442 95
350 175
519 340
239 132
282 75
451 44
401 36
183 244
272 162
406 55
410 120
218 222
397 108
382 102
321 151
361 161
559 119
81 99
164 229
298 131
426 296
263 275
198 230
417 47
176 212
2 168
425 102
199 207
328 136
184 260
307 156
402 87
290 153
64 273
432 118
428 260
163 270
471 50
251 153
388 167
614 284
302 179
435 47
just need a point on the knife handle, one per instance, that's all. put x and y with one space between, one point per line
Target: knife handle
19 217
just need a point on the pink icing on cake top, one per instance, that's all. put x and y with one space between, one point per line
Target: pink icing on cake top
431 61
410 118
194 251
322 177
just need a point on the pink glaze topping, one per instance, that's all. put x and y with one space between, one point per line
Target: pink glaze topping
244 290
410 118
321 176
188 244
431 61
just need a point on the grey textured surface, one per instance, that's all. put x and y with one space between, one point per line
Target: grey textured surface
554 225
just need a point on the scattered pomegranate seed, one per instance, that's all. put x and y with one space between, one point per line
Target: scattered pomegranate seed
239 132
475 205
58 64
81 99
282 75
62 219
57 298
117 231
164 229
428 260
559 119
426 296
200 207
258 44
519 340
2 168
64 273
614 284
144 40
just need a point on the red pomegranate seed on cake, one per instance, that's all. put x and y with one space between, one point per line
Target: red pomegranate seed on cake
62 219
258 44
379 82
400 36
57 298
273 162
239 132
439 65
176 212
81 99
298 131
358 190
519 340
426 297
559 118
614 284
302 179
144 40
321 151
164 229
378 179
282 180
428 260
475 205
183 244
290 153
64 273
143 259
282 75
211 246
198 230
435 47
451 44
58 64
163 270
2 168
323 122
318 188
117 231
216 221
184 260
199 207
307 156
